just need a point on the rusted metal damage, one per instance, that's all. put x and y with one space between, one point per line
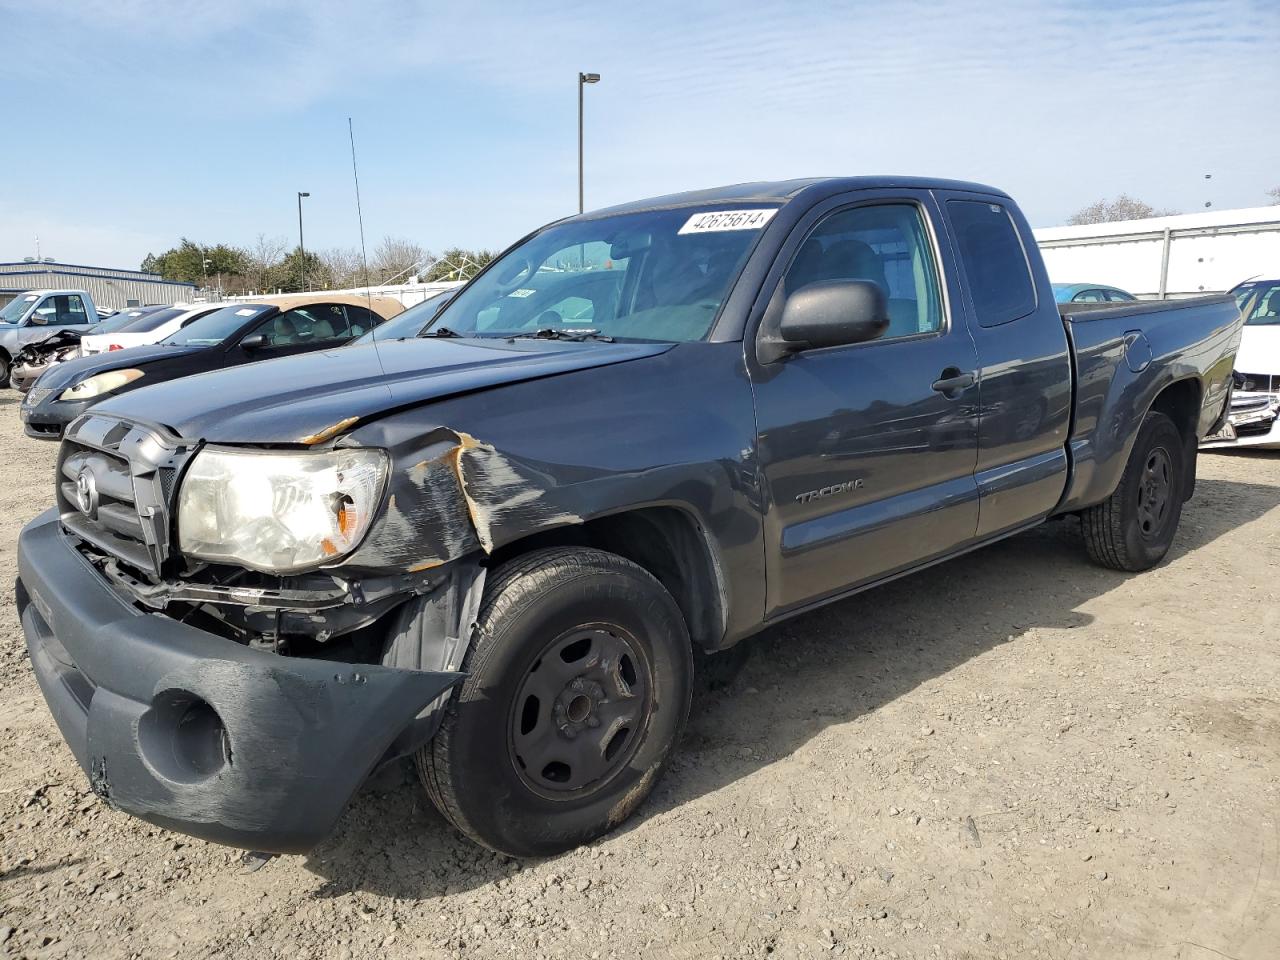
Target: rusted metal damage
320 436
461 496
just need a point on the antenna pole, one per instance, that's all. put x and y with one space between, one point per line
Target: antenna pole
355 174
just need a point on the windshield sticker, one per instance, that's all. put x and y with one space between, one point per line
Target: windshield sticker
522 292
718 220
245 313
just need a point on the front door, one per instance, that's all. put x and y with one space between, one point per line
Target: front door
867 451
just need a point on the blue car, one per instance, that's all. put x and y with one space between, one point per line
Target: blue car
1090 293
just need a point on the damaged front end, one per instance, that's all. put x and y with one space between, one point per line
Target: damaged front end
238 704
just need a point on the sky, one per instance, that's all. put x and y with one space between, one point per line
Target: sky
130 124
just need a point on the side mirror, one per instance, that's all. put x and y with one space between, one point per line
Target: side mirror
255 341
38 319
833 313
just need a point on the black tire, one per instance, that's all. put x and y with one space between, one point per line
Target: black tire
505 766
5 371
1134 527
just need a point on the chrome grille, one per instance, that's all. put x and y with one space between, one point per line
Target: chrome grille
115 481
36 396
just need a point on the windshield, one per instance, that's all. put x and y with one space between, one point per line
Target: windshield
656 275
149 321
409 323
217 326
15 308
1259 302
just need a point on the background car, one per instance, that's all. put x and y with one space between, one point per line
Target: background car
1255 402
64 343
1090 293
152 327
238 333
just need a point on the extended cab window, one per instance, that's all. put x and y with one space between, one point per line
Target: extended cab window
995 265
886 244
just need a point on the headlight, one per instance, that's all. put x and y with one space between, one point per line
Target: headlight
99 384
278 512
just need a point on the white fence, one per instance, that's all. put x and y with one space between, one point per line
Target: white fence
1166 257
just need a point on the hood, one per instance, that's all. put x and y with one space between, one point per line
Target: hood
76 370
1259 350
322 394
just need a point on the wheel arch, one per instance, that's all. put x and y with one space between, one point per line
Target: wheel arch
1180 401
667 541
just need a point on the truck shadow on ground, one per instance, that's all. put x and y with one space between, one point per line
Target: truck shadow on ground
766 698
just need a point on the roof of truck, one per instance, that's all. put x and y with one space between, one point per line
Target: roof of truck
780 191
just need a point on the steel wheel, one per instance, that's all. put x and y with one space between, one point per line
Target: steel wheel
581 711
1154 487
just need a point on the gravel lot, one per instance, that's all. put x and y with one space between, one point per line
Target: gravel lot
1015 754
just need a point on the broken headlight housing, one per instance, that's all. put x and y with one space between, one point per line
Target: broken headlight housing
278 512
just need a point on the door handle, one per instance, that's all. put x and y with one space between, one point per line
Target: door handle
953 381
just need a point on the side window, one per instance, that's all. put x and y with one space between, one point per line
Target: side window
886 244
1119 296
362 320
995 265
1088 296
302 326
76 312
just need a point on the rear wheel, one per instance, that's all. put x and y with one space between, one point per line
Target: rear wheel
1134 527
5 371
578 687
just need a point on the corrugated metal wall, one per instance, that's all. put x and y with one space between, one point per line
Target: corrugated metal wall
107 287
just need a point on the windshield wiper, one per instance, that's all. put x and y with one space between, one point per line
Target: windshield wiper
577 336
440 332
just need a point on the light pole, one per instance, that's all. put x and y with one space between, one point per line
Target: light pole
583 79
302 250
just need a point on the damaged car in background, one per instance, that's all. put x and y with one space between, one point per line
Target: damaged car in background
1255 404
64 343
494 547
233 335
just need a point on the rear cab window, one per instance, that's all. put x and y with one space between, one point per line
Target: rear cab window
994 261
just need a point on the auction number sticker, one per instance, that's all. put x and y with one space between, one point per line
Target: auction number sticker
717 220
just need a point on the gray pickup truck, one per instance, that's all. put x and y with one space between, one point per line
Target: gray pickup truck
640 431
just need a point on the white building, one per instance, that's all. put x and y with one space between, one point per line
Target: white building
1181 256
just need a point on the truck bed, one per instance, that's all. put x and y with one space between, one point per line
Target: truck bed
1125 355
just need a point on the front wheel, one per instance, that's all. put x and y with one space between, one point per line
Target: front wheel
578 686
1134 527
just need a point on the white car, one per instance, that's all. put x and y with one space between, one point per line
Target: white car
150 327
1255 402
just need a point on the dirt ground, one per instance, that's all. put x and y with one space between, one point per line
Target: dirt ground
1015 754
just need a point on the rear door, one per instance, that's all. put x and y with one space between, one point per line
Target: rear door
867 451
1024 359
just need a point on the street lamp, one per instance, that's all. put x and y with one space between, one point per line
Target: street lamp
302 250
583 78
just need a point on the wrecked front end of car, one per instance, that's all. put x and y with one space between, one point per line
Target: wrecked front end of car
1253 418
232 639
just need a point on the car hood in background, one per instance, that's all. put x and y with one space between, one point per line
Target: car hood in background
286 400
73 371
1259 350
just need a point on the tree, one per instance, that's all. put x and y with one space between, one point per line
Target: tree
262 261
1274 194
345 266
1123 207
394 259
191 262
290 277
458 264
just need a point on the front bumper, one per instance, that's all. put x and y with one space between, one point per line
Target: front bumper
23 375
194 732
46 417
1254 421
